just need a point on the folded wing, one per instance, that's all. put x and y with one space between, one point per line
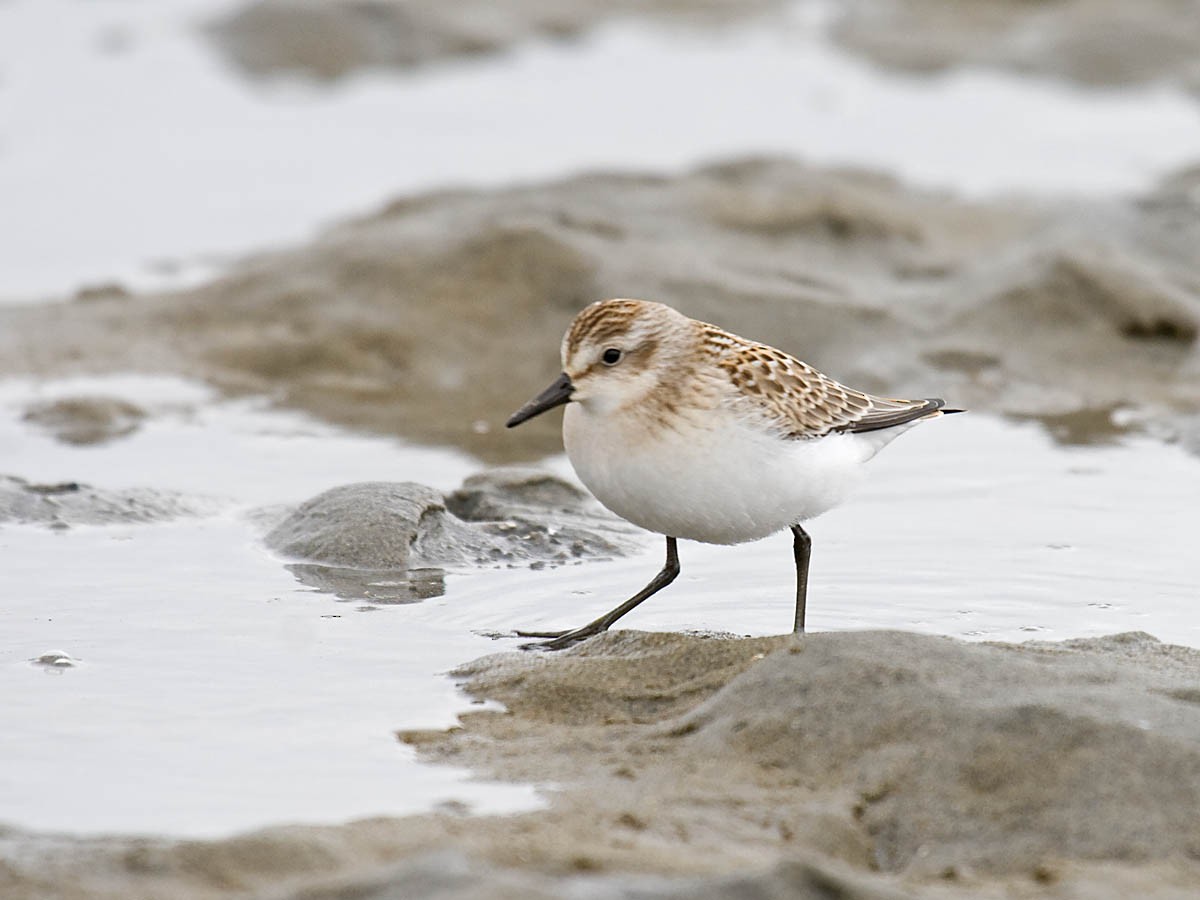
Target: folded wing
802 402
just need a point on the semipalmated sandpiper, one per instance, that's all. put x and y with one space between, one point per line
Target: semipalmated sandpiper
690 431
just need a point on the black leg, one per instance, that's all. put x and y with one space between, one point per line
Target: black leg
563 639
802 547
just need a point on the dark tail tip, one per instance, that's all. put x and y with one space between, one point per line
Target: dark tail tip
938 403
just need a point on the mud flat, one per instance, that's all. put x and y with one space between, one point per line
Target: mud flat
861 765
1092 42
853 764
327 40
1096 42
1082 314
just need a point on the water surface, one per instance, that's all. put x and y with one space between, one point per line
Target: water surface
129 151
214 692
211 691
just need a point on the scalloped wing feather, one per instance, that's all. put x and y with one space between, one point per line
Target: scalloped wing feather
800 401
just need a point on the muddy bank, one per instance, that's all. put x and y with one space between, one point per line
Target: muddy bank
497 517
437 316
325 40
64 504
86 420
1094 42
866 765
387 541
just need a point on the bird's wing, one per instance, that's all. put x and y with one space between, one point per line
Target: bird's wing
802 402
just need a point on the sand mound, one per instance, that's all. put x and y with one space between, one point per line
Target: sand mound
457 301
1097 42
323 39
857 765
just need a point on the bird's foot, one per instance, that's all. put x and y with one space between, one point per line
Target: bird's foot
540 634
559 640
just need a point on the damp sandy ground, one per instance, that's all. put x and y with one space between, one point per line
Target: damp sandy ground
187 715
196 650
189 166
861 764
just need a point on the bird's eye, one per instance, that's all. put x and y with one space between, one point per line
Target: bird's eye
611 356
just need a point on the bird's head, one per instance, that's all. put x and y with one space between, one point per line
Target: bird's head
613 355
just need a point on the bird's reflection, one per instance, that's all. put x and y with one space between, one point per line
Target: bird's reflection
383 586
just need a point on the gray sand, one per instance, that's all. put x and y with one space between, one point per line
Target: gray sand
67 503
86 420
498 517
856 765
851 765
326 40
1093 42
1072 313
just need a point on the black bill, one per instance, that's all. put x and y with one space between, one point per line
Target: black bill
555 395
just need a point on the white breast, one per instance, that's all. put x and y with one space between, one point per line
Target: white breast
723 483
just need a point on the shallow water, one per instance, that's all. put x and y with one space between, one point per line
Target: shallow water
213 692
128 151
969 526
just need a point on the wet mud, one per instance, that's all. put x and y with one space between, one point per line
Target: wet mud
499 516
324 40
1089 42
65 504
1092 42
437 316
363 540
861 765
858 765
86 420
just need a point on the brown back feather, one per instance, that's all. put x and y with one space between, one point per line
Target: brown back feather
797 399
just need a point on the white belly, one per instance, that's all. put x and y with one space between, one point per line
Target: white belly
721 485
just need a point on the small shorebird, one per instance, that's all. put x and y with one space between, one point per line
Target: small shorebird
690 431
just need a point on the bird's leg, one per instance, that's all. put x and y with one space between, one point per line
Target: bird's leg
802 547
561 639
